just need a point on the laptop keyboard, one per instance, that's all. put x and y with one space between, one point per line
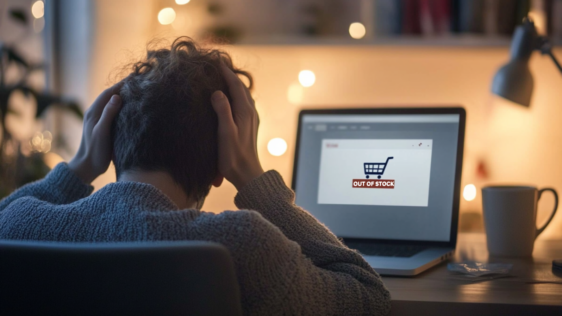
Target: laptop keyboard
385 250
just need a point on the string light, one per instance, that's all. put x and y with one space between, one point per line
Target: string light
307 78
38 9
277 146
41 142
166 16
469 192
357 30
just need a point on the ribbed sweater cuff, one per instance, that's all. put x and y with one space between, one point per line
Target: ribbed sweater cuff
65 181
264 191
269 196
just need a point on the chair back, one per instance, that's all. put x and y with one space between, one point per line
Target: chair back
156 278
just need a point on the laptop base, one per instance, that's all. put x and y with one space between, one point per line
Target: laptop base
410 266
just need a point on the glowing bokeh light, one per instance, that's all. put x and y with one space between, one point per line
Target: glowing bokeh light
277 146
47 135
37 139
295 93
166 16
38 25
469 192
40 142
307 78
38 9
180 2
357 30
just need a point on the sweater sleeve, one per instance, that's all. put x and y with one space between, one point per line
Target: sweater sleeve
60 186
325 277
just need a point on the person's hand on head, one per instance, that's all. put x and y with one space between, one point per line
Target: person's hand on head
238 130
95 152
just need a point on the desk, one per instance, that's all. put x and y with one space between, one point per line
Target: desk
439 292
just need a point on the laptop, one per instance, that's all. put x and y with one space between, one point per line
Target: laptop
385 181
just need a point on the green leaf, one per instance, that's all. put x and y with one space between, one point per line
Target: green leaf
74 108
45 100
19 16
14 56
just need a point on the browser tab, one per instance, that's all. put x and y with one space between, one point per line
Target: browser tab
320 127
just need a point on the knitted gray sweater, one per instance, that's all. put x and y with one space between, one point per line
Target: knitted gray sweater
286 261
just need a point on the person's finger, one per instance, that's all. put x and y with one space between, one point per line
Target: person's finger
235 86
249 97
109 113
222 108
96 109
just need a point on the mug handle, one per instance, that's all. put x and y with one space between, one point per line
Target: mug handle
540 230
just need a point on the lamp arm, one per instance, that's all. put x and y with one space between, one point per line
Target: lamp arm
556 62
545 46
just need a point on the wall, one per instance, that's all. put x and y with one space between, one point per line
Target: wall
517 145
122 30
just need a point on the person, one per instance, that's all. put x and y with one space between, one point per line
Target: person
181 121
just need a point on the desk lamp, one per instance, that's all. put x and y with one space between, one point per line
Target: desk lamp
514 80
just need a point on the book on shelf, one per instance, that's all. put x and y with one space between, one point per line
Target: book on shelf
439 17
411 17
434 17
388 15
471 16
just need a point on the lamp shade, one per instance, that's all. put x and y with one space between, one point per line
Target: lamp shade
514 80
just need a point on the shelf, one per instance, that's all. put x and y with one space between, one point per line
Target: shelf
466 41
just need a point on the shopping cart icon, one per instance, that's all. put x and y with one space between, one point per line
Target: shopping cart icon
376 168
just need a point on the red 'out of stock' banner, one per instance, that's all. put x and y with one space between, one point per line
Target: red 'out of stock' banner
373 184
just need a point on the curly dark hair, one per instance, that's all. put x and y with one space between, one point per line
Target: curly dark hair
167 122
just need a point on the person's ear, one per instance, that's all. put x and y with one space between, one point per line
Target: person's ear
218 180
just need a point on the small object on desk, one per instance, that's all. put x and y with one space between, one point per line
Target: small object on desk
438 291
480 269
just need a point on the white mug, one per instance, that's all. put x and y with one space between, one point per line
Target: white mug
510 215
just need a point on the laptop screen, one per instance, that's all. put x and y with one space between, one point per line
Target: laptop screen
379 176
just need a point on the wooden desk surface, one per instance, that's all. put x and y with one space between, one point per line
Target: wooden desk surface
438 291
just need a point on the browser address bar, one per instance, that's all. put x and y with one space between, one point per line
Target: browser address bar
431 118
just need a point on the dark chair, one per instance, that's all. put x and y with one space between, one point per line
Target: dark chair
157 278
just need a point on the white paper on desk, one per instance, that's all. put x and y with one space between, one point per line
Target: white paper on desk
480 269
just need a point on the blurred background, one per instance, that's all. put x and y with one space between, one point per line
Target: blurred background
58 55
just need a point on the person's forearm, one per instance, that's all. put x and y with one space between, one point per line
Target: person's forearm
313 276
60 186
269 196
